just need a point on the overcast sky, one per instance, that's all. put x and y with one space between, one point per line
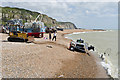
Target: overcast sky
89 15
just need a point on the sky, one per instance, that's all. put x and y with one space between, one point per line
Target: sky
84 14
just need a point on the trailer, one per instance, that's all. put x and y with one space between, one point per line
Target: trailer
36 28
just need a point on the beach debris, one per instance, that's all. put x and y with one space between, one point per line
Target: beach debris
88 54
102 56
45 38
49 46
60 76
91 48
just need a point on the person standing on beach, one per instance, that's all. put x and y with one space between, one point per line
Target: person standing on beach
54 36
49 35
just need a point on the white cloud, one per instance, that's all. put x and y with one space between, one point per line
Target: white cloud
87 12
76 12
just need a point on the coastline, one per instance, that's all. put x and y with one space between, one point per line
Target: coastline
101 72
49 62
107 65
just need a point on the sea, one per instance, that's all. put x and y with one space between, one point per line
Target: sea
104 42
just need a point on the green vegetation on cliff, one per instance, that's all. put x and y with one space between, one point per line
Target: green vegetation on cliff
9 13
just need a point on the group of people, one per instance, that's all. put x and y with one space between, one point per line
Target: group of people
54 36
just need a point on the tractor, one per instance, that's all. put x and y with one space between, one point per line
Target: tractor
17 34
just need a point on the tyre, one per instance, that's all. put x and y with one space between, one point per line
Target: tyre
40 35
9 39
72 48
15 39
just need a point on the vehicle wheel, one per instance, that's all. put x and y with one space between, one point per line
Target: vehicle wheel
40 35
72 48
9 39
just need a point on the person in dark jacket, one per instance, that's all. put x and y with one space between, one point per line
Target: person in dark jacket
54 36
49 35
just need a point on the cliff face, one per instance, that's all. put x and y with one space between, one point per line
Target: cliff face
67 25
29 16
